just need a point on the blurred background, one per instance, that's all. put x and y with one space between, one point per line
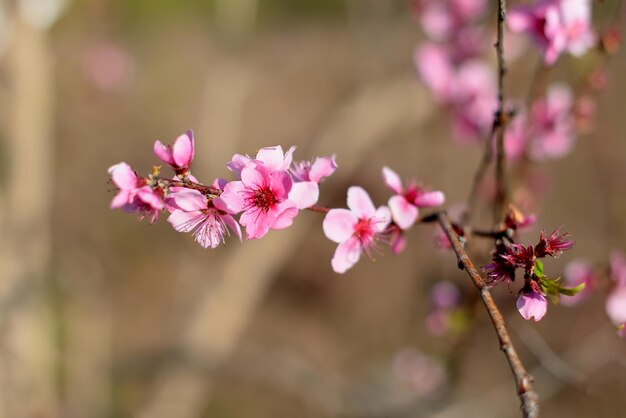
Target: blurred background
103 316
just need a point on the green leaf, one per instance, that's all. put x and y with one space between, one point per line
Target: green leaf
539 269
571 291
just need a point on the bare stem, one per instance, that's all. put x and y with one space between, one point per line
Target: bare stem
500 120
523 381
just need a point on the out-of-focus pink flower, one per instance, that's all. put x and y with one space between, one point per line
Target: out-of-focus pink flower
355 230
515 139
398 240
532 304
434 66
180 155
207 219
556 26
616 302
262 195
552 125
405 203
442 19
445 294
621 330
109 66
134 194
576 273
425 375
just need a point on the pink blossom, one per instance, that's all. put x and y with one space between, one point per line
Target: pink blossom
405 203
208 219
355 230
423 373
398 240
576 273
616 302
434 66
442 19
272 158
532 304
552 125
515 138
553 245
178 156
307 176
134 194
445 294
262 195
556 26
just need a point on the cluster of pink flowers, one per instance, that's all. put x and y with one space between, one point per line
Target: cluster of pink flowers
452 66
267 193
508 258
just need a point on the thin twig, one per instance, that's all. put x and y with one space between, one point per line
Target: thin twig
528 397
500 120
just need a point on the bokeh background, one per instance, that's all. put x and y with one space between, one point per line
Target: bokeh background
103 316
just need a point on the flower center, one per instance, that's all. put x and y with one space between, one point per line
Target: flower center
264 198
363 230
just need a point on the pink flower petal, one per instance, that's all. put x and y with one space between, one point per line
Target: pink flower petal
255 176
233 196
123 176
285 212
339 224
237 163
122 198
532 305
616 305
280 183
233 225
398 242
187 200
392 180
346 255
257 223
185 221
381 219
163 152
272 157
430 199
183 149
360 202
404 214
305 194
322 168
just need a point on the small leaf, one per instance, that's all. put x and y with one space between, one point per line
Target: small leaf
539 269
571 291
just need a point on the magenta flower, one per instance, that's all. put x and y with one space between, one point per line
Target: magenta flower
404 205
576 273
553 245
355 230
178 156
532 304
555 26
208 219
616 302
262 195
134 194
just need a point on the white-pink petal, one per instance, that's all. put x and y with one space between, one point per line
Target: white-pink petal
305 194
430 199
404 213
271 157
616 305
188 200
339 224
184 221
346 255
532 305
286 211
183 149
360 202
392 180
322 168
381 219
123 176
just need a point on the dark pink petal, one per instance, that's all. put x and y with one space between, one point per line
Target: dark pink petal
392 180
232 224
532 305
322 168
148 196
183 149
280 183
163 152
398 241
285 212
430 199
122 198
305 194
360 202
339 224
404 213
123 176
346 255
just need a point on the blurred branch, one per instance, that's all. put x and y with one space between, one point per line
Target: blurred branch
528 397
